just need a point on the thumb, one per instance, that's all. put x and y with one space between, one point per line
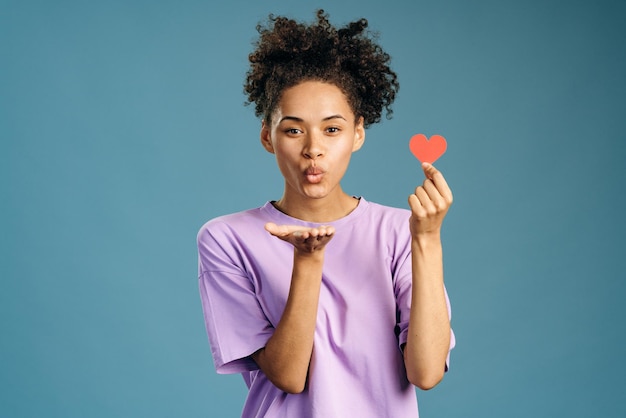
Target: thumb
429 170
272 228
282 230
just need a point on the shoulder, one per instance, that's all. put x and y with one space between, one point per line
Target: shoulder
390 210
233 225
385 224
387 214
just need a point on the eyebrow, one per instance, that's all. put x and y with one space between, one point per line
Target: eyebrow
297 119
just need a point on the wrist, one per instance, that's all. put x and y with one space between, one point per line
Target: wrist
426 240
307 267
308 256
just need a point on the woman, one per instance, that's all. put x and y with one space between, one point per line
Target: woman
329 305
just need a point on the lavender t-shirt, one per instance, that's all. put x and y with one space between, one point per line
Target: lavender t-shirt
357 367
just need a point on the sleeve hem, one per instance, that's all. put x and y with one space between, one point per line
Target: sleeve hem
240 363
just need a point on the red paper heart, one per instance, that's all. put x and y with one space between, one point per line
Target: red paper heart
425 150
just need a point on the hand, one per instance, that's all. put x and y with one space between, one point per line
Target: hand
305 240
430 203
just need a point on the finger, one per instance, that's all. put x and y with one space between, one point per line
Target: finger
422 195
325 230
425 200
272 228
281 230
442 186
318 232
414 203
303 235
417 202
439 180
431 189
438 201
326 237
433 193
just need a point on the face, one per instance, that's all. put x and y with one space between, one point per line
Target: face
313 134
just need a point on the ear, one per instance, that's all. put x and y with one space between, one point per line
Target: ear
359 135
266 137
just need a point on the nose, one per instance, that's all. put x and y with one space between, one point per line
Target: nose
314 146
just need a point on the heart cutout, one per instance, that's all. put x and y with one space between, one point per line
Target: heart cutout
428 150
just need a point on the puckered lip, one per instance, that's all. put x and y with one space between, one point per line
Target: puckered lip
313 171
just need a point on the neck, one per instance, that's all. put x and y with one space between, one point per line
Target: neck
322 210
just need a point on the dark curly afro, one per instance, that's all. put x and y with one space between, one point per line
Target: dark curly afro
288 53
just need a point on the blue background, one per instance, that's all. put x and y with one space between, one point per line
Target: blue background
123 130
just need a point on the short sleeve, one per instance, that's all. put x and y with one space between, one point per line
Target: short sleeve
235 322
403 284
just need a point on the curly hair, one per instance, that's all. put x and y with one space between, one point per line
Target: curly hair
288 53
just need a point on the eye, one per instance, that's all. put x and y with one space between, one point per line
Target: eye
332 130
293 131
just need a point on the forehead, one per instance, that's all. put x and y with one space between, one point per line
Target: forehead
313 100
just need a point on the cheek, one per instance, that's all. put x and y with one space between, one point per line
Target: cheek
342 160
284 152
287 159
345 151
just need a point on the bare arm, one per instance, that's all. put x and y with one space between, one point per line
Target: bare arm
428 339
286 356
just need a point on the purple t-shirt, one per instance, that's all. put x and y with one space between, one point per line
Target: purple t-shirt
357 367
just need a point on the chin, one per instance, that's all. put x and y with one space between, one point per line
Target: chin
313 192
